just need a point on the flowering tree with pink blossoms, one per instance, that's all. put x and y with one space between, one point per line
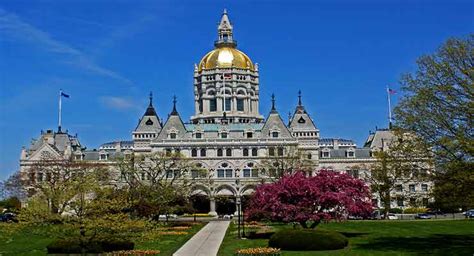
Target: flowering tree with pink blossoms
297 198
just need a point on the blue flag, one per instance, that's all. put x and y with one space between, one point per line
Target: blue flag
64 95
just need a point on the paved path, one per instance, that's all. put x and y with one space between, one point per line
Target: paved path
206 242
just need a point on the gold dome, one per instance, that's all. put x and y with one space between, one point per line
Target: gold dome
226 57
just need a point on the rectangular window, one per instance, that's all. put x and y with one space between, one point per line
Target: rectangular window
247 173
250 135
400 202
326 154
220 173
172 135
224 135
228 104
274 134
424 187
240 105
213 105
198 135
399 188
228 173
412 188
169 174
254 173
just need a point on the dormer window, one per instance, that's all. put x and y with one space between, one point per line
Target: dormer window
173 135
149 122
224 135
350 153
275 134
198 135
103 156
249 135
301 120
325 154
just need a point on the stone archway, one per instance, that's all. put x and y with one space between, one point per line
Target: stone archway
200 198
225 197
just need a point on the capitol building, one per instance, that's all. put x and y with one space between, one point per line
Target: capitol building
227 136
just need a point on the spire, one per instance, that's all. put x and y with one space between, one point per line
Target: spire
150 111
273 104
225 32
174 112
299 98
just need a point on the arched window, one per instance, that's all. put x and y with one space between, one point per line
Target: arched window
280 151
254 152
219 152
203 152
213 105
194 152
245 152
271 151
228 152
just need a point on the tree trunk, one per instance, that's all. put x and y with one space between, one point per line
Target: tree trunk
303 224
314 224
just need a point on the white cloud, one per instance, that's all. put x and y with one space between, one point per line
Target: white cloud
118 103
12 26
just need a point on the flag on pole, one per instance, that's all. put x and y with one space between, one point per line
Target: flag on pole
64 95
391 91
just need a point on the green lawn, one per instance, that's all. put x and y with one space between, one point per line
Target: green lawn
430 237
19 240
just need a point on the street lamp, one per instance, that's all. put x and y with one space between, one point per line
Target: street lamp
238 216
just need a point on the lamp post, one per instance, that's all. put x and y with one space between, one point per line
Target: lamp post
237 202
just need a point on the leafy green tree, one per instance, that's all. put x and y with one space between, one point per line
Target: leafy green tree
438 106
404 158
156 183
56 181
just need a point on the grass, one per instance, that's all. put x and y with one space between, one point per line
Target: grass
16 239
430 237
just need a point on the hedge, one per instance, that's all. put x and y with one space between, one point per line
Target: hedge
307 240
97 246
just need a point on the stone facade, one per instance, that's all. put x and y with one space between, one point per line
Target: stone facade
227 136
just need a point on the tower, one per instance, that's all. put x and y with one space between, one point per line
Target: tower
226 82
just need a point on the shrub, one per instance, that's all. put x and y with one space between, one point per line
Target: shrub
98 246
416 210
307 240
263 251
259 235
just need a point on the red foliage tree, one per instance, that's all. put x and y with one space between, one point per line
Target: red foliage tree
297 198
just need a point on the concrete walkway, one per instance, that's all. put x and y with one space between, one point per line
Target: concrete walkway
206 242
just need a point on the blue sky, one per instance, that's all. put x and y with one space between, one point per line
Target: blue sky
108 55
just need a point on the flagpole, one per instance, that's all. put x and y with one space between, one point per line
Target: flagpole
389 109
60 103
